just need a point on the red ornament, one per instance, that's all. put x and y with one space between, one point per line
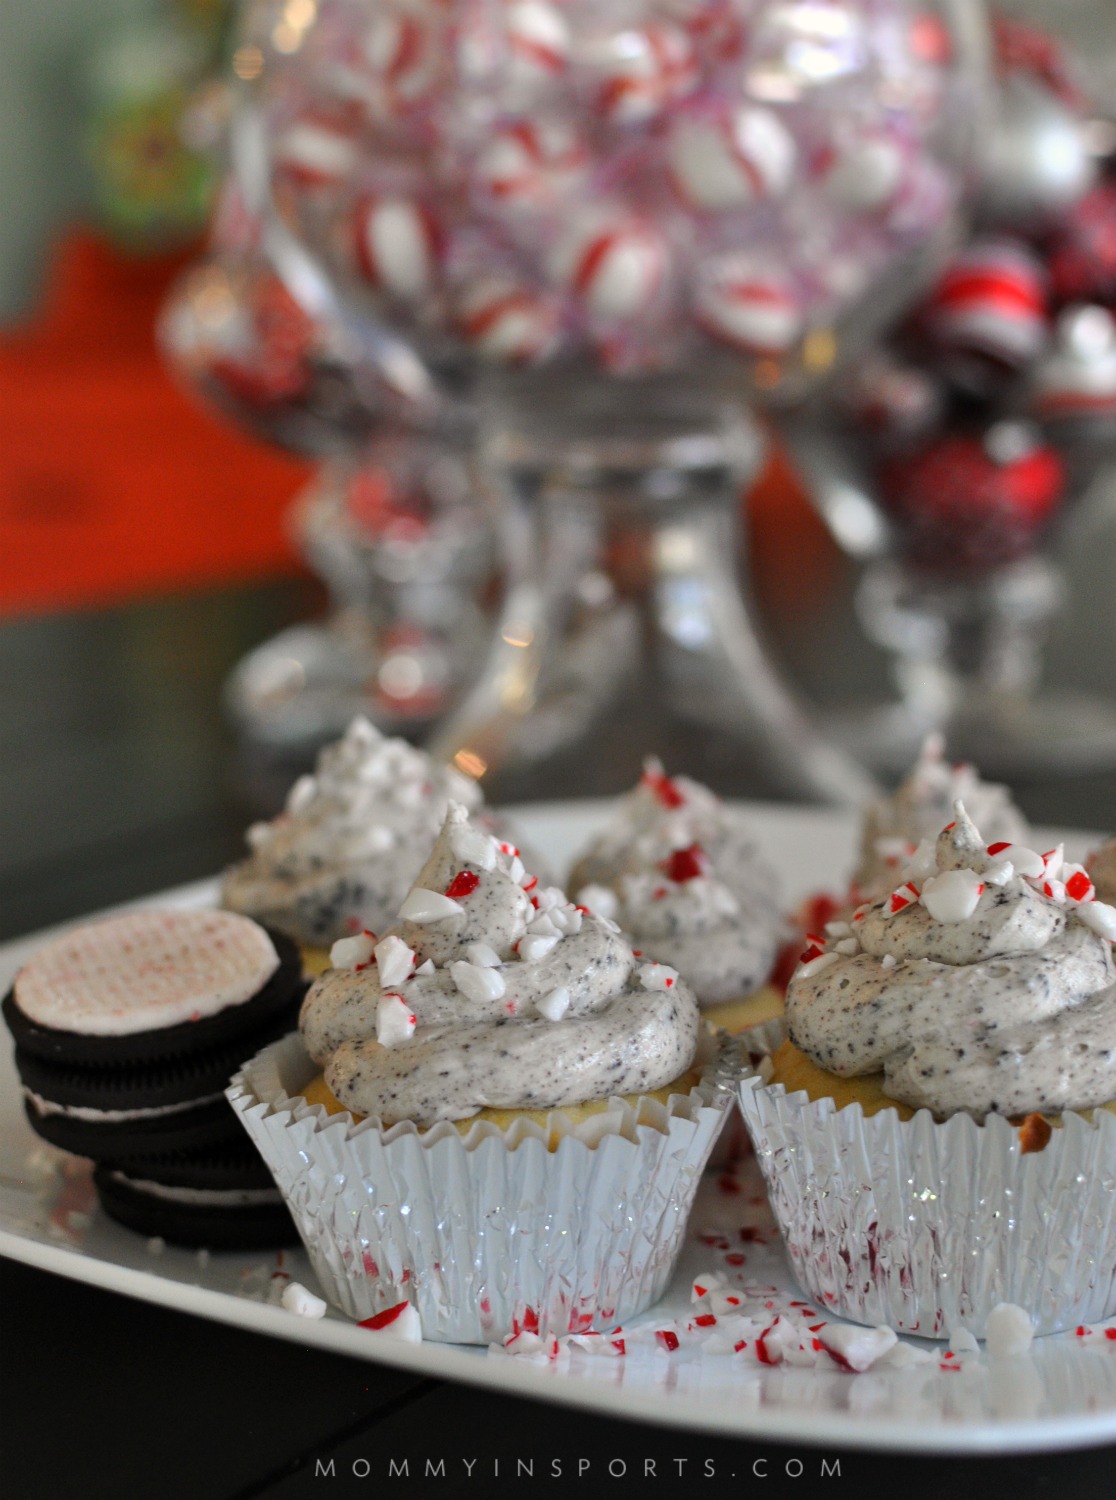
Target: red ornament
1082 261
960 508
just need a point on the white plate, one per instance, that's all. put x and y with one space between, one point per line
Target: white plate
1063 1395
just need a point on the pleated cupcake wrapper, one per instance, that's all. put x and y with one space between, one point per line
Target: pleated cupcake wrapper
492 1232
926 1226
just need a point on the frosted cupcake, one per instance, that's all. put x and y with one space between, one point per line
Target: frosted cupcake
1101 866
894 826
936 1131
521 1131
348 846
677 869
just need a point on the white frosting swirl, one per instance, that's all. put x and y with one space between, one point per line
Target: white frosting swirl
344 853
688 885
508 1005
1002 1002
894 826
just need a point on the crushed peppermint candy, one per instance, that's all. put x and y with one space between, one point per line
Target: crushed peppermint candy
553 1006
536 945
463 884
473 847
899 900
302 1302
428 906
398 1322
657 976
394 960
476 981
599 900
395 1021
953 895
353 952
1008 1332
483 956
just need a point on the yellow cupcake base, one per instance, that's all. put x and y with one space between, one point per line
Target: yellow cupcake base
735 1016
800 1074
317 1091
315 961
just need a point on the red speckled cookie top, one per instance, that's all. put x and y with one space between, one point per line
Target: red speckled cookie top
144 971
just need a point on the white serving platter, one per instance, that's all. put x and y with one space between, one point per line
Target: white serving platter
1061 1395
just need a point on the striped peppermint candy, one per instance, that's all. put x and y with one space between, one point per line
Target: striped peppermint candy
640 70
748 305
729 159
398 246
991 300
509 322
615 265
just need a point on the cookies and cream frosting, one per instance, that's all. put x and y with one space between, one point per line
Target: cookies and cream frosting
677 869
894 826
351 841
982 982
492 991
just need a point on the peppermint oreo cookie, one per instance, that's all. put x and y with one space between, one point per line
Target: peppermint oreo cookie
223 1198
151 985
127 1032
142 1109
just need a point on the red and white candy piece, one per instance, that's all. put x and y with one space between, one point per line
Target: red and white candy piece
395 1021
301 1301
1023 861
614 264
537 41
477 982
992 301
399 58
473 847
394 960
748 305
724 161
530 163
421 906
398 246
353 952
640 70
398 1322
317 150
952 896
553 1006
863 172
907 894
509 322
656 976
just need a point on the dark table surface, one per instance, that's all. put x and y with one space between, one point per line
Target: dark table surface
118 777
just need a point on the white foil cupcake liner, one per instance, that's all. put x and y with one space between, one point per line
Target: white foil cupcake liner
926 1226
489 1232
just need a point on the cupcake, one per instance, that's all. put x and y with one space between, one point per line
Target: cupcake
677 869
350 843
492 1111
894 826
936 1129
1101 866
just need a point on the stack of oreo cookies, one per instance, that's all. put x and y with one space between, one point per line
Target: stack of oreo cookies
127 1032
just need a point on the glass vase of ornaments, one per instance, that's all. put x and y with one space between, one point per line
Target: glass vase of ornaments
579 241
953 453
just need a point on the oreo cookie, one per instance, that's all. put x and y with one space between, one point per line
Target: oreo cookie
124 1113
223 1198
151 985
127 1033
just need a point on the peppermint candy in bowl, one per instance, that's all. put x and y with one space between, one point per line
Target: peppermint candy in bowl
602 165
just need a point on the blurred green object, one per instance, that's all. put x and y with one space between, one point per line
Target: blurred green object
96 98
